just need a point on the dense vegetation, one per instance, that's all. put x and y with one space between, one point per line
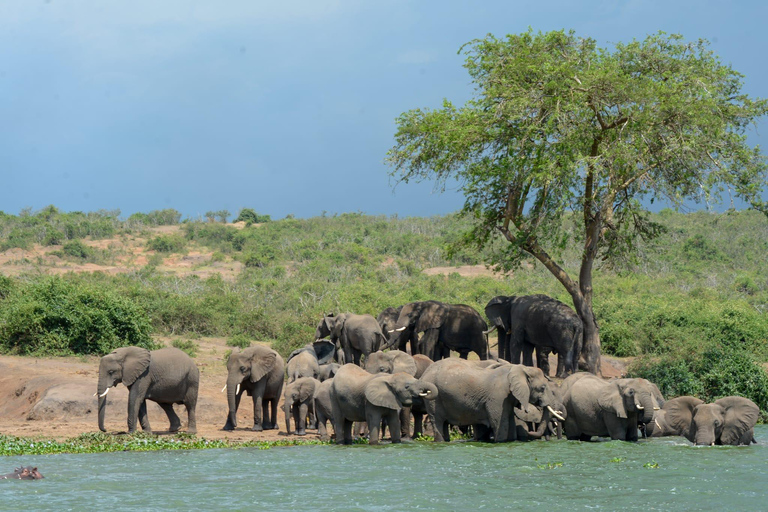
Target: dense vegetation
692 308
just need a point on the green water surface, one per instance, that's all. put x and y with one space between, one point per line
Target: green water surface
658 474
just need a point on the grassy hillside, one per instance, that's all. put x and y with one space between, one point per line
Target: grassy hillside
692 305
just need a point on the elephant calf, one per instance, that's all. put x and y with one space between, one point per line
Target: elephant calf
300 398
357 395
306 361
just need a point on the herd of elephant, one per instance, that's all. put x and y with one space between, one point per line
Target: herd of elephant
501 401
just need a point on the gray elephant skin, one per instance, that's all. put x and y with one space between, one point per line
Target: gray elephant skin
674 418
167 376
727 421
357 335
399 340
327 371
484 397
306 361
258 371
539 322
394 361
357 395
614 408
446 327
324 409
300 399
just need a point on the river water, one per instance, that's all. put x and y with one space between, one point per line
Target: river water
658 474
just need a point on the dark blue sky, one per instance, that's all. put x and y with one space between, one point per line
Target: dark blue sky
284 107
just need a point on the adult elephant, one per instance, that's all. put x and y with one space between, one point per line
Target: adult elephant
728 421
357 335
306 361
674 418
357 395
258 371
614 408
539 322
167 376
400 340
446 327
485 397
300 399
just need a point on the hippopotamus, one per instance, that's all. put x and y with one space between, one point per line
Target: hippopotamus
23 473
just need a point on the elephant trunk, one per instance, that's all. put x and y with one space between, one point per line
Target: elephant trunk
705 437
233 384
287 409
427 390
645 410
103 389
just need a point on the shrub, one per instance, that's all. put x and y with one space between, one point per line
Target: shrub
239 340
188 346
249 216
56 317
167 243
77 249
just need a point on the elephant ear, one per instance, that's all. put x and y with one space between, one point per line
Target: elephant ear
337 325
679 414
611 400
431 316
295 353
402 362
135 362
307 390
741 415
498 310
262 363
379 392
518 386
325 350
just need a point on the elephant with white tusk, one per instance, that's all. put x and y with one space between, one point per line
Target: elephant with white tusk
485 397
258 371
614 408
166 376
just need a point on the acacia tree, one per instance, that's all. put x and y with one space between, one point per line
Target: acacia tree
559 125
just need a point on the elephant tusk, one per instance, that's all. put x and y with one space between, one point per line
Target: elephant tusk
639 407
224 388
237 391
555 413
400 329
656 408
425 393
104 393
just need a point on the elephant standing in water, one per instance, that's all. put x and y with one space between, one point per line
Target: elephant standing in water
357 395
728 421
537 322
358 335
612 409
486 397
260 372
167 376
674 418
446 327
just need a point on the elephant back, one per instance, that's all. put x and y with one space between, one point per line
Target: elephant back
174 365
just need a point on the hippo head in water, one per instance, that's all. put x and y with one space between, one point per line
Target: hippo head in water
24 473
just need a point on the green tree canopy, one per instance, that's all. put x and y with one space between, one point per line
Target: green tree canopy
558 124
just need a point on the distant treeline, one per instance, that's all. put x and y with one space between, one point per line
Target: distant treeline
691 307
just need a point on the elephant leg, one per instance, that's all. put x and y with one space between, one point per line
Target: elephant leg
440 425
135 402
501 344
173 418
405 422
191 405
515 346
257 408
300 415
528 354
463 355
542 360
429 344
394 426
144 417
418 424
561 366
346 437
374 419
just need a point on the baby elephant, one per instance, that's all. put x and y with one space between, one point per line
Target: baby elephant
23 473
300 398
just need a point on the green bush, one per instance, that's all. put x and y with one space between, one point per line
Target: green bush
188 346
54 316
239 340
77 249
167 243
249 216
